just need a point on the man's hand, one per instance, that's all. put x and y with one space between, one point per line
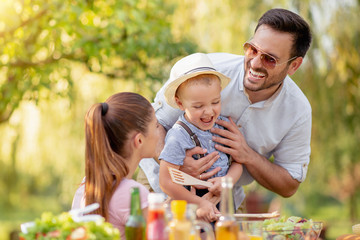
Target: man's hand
198 167
268 174
234 142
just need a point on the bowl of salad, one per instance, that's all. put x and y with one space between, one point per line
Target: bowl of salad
64 227
294 228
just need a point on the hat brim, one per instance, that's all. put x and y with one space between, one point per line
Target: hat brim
171 88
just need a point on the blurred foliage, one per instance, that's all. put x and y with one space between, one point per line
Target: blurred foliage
332 83
40 40
57 58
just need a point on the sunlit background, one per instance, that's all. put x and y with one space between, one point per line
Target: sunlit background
58 57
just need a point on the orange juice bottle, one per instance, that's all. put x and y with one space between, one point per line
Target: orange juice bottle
226 227
179 226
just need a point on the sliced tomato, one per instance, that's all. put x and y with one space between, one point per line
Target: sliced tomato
78 234
53 234
38 235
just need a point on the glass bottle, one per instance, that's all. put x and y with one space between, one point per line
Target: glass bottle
191 215
198 225
179 226
226 227
156 224
135 225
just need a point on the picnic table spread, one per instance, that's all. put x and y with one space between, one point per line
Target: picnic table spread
80 224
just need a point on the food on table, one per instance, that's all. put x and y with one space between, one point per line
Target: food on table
295 228
63 227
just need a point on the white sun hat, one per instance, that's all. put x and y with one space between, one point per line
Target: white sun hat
189 67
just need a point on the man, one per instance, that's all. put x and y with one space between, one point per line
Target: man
270 116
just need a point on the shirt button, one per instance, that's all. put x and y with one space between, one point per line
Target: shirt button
157 105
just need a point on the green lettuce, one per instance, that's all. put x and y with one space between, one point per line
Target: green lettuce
63 227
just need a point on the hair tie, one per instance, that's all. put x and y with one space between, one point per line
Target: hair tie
104 108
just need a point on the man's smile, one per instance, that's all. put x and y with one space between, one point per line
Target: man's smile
256 75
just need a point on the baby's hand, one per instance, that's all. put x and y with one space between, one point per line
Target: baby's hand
216 188
207 211
212 198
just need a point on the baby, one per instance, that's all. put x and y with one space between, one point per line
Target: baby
194 87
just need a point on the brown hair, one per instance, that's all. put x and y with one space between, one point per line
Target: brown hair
207 79
286 21
107 130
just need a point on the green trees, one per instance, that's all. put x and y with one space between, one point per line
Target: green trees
40 40
46 48
333 79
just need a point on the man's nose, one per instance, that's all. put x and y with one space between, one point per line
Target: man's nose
256 61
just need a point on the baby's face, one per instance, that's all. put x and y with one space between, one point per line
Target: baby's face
201 101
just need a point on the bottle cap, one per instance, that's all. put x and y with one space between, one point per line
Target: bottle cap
191 211
134 190
226 182
178 207
155 198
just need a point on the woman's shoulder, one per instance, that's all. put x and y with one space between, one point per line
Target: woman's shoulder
127 183
121 195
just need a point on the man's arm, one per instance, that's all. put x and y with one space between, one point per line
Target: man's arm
270 175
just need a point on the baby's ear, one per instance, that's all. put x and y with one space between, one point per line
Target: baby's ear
179 103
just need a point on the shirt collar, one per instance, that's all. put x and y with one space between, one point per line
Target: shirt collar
278 92
267 102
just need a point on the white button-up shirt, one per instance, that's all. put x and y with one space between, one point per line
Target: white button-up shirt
279 126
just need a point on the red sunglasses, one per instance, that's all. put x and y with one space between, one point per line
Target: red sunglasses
269 62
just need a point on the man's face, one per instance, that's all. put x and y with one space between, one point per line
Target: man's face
258 79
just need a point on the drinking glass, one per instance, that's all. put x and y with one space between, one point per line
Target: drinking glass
250 230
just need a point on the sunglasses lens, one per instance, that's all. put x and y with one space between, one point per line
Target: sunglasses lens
250 50
268 61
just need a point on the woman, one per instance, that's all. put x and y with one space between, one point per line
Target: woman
119 133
